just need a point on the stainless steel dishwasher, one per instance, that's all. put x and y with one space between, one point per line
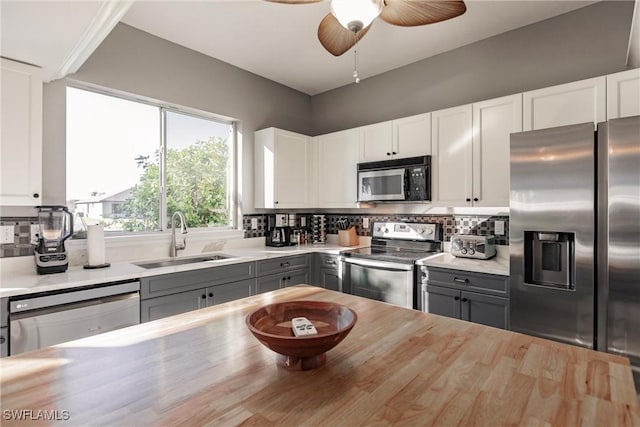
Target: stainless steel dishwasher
52 319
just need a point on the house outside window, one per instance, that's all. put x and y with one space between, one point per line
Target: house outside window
132 164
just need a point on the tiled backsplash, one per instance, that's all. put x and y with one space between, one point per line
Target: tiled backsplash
21 245
451 224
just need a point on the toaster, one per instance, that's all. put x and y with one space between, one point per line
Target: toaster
470 246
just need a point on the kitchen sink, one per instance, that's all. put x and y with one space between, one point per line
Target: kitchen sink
180 261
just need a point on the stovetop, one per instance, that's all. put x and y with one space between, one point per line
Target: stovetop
400 242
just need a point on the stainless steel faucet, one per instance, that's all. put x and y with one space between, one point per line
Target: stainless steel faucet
175 247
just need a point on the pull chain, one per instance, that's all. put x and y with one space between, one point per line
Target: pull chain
355 60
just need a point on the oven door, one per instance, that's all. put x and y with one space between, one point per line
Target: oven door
375 185
379 280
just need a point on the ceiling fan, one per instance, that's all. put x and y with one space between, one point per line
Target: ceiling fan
350 20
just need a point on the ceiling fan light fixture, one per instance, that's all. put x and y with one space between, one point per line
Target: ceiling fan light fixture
354 15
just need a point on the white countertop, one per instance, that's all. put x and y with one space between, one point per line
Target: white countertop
30 282
15 284
497 265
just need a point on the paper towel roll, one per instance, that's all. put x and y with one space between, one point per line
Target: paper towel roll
95 245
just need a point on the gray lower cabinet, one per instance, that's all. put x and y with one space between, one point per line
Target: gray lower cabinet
281 272
4 342
272 282
326 271
4 327
169 305
175 293
182 302
475 297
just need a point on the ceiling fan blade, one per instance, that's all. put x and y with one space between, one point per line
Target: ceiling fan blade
410 13
335 38
294 1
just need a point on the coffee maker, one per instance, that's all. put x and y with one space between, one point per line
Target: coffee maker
278 230
55 226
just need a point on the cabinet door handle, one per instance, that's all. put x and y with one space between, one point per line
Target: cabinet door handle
388 154
2 340
210 294
394 153
36 195
464 300
455 279
203 296
289 278
475 199
468 199
456 298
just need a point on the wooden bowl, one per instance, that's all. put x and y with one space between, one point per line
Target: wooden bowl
271 325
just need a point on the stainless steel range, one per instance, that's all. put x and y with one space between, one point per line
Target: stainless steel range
386 271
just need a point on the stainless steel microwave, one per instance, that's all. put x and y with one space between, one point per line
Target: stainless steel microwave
398 180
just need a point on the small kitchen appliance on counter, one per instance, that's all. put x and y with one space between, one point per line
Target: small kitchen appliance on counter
55 226
472 246
278 231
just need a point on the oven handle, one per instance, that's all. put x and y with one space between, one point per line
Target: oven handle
379 265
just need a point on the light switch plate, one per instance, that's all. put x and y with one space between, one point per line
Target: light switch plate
254 223
498 228
35 229
365 222
7 234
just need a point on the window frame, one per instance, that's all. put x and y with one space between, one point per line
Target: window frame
163 106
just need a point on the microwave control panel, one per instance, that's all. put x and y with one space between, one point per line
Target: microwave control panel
417 183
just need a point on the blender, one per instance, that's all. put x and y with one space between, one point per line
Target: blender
55 226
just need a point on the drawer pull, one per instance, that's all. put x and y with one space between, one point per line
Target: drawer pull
455 279
284 264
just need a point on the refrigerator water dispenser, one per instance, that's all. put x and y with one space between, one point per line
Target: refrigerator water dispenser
549 259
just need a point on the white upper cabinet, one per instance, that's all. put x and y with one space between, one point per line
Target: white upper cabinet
337 163
567 104
376 142
21 135
451 144
282 175
412 136
623 94
405 137
493 122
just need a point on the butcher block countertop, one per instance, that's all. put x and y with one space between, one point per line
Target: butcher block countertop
397 366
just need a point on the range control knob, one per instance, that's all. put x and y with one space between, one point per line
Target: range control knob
429 231
420 230
463 250
471 251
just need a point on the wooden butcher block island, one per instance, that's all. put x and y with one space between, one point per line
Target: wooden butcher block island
397 366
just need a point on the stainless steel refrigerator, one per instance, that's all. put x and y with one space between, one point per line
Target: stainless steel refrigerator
575 235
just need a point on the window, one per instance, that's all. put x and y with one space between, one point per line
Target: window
131 164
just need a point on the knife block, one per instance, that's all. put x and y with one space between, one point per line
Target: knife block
347 237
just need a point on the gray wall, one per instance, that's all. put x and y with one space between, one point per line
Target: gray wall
589 42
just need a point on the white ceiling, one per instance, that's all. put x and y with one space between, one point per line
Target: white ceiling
276 41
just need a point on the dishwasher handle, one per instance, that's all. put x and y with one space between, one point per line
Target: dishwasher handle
67 307
71 296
